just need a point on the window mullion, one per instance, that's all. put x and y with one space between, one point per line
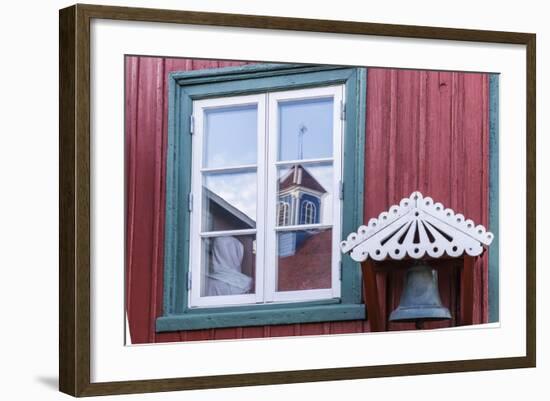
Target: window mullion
261 204
270 247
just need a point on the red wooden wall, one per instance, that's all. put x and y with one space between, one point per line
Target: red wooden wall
426 130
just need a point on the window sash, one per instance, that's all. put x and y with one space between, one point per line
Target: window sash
267 200
336 92
196 234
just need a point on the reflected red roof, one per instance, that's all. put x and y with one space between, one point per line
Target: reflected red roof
299 176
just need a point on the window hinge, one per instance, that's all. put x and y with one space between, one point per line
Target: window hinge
189 281
342 110
191 124
190 202
341 190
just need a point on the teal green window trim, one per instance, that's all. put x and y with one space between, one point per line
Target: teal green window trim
493 198
184 88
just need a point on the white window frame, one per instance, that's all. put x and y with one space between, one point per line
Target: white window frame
283 207
337 94
309 211
267 200
196 234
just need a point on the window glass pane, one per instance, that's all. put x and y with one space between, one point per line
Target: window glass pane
304 259
230 136
305 129
228 265
229 201
304 194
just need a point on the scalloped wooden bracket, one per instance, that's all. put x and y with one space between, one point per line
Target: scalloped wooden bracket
416 227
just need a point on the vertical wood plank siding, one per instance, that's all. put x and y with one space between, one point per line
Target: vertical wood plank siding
426 130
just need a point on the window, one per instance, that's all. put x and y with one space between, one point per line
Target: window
251 153
308 212
262 161
283 213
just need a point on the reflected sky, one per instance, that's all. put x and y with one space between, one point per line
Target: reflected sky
230 139
309 121
238 189
230 136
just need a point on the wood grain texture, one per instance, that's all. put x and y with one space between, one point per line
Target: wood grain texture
468 281
531 201
428 131
74 214
67 187
301 24
74 194
300 376
371 297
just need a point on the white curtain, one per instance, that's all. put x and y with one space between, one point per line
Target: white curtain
225 276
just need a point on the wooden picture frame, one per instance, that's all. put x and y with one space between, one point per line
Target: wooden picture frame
75 199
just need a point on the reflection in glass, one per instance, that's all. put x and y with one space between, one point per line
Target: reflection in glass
229 201
230 136
304 194
305 129
304 260
228 265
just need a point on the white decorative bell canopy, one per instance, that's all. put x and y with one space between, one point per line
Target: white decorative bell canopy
416 227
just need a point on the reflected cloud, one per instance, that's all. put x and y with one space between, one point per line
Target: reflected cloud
236 189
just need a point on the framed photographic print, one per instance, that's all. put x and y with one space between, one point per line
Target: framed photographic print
250 200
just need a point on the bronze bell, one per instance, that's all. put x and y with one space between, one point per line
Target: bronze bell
420 300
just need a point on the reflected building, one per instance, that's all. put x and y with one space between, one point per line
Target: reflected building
220 215
303 254
299 202
300 198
